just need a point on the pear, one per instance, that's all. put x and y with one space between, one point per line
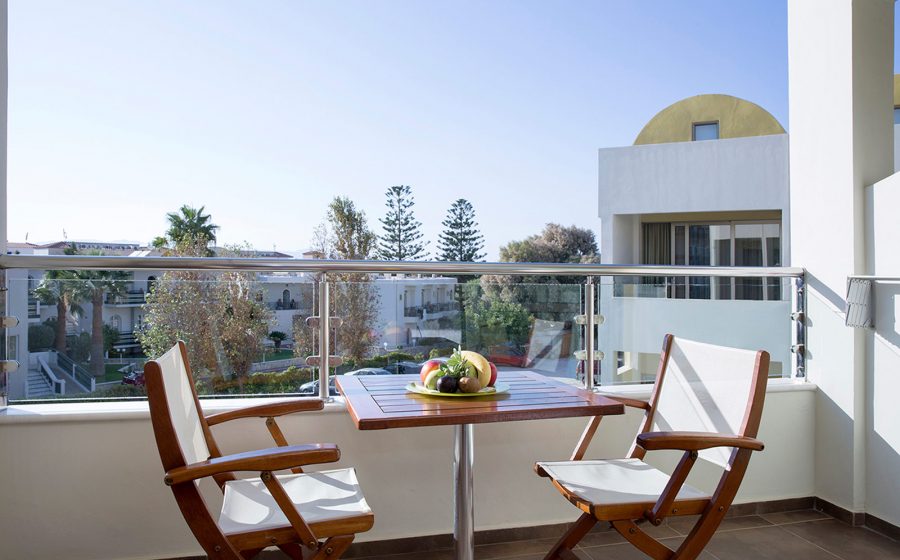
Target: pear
469 385
482 366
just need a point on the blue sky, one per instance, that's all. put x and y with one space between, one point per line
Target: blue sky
120 111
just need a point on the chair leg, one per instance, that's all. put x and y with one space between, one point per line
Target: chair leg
332 548
642 541
572 537
250 554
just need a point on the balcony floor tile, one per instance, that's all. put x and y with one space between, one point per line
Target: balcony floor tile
798 535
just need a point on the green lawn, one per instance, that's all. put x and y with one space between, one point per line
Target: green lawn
271 356
112 373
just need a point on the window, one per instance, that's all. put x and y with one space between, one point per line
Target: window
706 131
896 115
726 244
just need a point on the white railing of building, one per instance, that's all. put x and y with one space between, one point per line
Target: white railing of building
57 385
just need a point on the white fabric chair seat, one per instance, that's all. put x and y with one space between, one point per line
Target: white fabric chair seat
615 482
318 496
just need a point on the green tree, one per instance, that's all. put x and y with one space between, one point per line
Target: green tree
188 226
99 283
277 337
554 298
461 239
402 232
555 244
218 315
497 322
62 289
345 235
40 337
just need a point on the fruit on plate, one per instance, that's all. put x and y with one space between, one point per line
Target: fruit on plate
482 366
493 374
431 379
448 384
469 385
428 367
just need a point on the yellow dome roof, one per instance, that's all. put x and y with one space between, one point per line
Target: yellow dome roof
736 117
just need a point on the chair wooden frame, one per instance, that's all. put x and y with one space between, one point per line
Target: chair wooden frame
299 540
711 510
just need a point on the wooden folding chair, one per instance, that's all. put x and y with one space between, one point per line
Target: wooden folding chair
307 515
713 396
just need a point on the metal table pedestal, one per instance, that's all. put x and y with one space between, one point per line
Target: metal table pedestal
463 486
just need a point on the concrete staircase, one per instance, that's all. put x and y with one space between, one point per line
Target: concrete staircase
38 386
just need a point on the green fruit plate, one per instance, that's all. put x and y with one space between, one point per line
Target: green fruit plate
416 387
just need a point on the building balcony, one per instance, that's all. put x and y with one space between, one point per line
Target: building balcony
129 299
112 468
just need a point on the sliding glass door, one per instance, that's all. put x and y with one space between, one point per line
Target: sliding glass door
726 244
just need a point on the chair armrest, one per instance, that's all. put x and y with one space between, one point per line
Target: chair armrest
633 403
695 441
273 459
267 410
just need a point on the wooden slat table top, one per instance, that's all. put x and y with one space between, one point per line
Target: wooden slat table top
378 402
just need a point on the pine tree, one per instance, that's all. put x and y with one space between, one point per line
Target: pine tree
461 240
402 231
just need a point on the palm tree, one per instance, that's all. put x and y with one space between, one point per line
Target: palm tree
62 289
97 283
190 225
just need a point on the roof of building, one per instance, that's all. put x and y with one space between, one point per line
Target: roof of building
736 118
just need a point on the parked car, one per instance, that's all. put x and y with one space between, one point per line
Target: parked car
369 371
135 378
508 354
404 367
312 388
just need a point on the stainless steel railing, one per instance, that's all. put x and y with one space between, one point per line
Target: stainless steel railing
85 262
323 268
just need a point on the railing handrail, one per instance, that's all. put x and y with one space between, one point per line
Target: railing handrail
81 376
99 262
47 372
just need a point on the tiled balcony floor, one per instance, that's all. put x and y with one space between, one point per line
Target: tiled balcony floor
796 535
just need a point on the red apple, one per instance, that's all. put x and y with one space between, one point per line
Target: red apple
428 367
493 375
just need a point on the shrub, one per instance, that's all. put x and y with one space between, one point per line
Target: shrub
441 352
277 337
40 337
79 347
287 381
119 391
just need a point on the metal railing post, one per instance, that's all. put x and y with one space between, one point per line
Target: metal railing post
324 335
590 305
4 377
799 317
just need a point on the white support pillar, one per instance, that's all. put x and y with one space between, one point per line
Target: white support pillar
841 140
4 83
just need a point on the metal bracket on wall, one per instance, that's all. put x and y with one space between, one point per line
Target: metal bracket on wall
313 322
860 311
8 366
581 355
582 319
333 361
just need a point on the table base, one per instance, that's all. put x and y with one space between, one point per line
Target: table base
463 492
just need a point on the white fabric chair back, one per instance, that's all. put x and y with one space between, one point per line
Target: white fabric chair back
706 388
182 406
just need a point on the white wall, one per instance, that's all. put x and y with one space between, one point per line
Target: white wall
90 486
883 353
723 175
840 104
